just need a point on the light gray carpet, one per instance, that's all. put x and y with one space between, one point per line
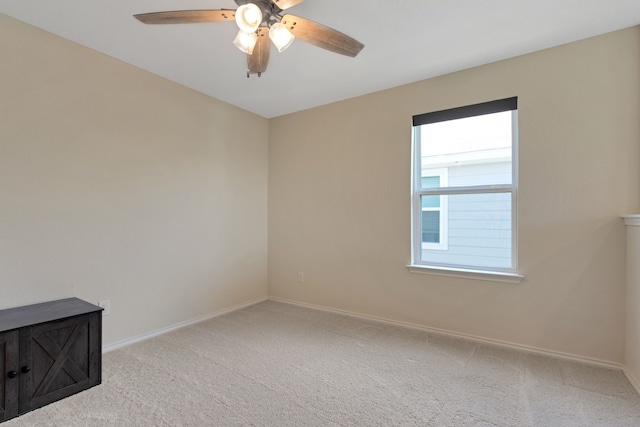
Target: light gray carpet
275 364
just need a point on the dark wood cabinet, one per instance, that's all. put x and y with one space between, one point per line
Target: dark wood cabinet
9 386
48 351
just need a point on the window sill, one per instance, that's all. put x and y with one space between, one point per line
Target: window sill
490 276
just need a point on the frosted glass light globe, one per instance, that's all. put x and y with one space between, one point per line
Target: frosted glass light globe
248 17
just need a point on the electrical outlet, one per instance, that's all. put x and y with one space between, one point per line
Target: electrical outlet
106 305
300 277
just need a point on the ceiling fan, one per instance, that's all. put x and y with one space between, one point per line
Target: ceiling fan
259 21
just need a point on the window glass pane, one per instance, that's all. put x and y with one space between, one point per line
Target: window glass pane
430 226
479 232
430 181
476 150
430 201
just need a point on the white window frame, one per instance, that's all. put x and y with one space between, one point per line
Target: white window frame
510 274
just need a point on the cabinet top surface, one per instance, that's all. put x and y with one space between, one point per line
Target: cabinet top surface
18 317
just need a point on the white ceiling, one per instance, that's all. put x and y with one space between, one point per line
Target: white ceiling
405 41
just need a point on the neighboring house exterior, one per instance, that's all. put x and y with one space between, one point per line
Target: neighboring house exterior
467 229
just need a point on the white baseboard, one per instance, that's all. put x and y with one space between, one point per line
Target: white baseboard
155 333
482 340
632 379
529 349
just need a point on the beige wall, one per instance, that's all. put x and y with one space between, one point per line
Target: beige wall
117 184
339 203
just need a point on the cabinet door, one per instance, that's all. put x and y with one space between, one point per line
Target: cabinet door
62 358
9 372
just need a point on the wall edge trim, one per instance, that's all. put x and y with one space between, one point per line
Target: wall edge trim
138 338
634 383
475 338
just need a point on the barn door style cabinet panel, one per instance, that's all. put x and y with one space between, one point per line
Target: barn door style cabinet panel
48 351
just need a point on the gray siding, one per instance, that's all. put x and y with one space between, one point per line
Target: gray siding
479 225
480 174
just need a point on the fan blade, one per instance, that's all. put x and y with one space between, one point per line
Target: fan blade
187 16
258 61
322 36
286 4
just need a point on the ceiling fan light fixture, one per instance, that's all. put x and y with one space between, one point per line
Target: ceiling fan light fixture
254 19
248 17
281 36
245 41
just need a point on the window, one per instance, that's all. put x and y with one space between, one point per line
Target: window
464 188
433 211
